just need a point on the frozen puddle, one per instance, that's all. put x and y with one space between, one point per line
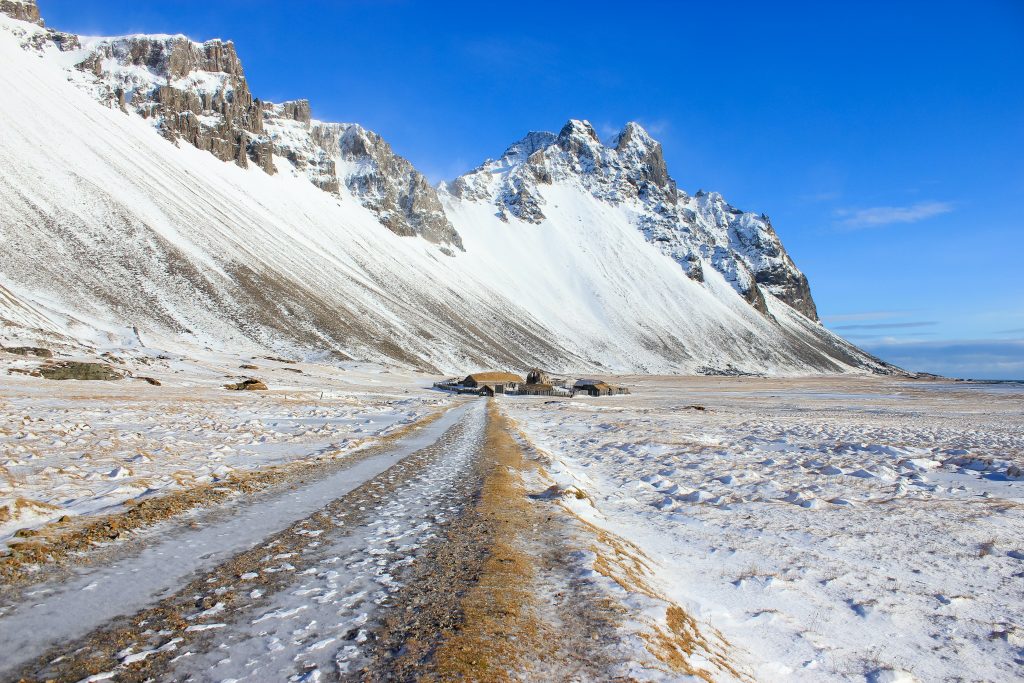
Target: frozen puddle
318 624
52 613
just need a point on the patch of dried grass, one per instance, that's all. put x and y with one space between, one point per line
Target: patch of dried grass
499 634
680 638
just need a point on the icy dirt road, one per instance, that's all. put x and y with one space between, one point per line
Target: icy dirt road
382 508
447 555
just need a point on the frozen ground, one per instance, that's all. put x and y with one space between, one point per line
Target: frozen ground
340 573
829 528
79 448
844 528
322 622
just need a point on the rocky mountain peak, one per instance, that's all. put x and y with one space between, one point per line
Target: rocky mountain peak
578 129
579 139
389 185
701 233
22 10
533 142
641 152
198 93
633 134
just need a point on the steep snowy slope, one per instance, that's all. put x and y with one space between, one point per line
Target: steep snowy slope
141 185
107 223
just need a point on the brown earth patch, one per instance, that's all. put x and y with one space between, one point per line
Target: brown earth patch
468 610
499 633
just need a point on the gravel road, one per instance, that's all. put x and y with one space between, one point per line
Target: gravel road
429 561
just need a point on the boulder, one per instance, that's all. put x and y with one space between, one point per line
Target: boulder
247 385
67 369
36 351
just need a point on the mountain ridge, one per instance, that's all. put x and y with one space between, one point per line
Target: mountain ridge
265 262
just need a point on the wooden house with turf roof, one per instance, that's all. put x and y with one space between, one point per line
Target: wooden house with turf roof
491 383
598 387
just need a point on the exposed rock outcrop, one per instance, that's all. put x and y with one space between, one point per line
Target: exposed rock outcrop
388 184
336 155
196 92
247 385
36 351
297 110
66 369
22 10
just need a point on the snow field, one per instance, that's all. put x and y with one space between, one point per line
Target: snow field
79 448
828 529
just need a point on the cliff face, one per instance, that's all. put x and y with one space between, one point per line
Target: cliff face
198 93
401 195
700 231
194 92
339 155
22 10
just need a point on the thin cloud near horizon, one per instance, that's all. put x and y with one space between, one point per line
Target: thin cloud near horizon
985 358
885 326
865 315
878 216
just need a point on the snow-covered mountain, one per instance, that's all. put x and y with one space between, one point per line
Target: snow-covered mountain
630 172
142 185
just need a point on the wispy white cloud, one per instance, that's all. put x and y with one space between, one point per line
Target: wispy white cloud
979 358
877 216
656 127
865 315
886 326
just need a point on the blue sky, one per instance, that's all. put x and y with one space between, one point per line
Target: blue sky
885 140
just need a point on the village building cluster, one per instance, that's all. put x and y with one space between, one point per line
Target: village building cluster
537 383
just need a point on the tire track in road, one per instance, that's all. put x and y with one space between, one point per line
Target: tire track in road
500 597
110 635
453 564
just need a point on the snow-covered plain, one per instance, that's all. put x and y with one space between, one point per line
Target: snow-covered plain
829 529
74 448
